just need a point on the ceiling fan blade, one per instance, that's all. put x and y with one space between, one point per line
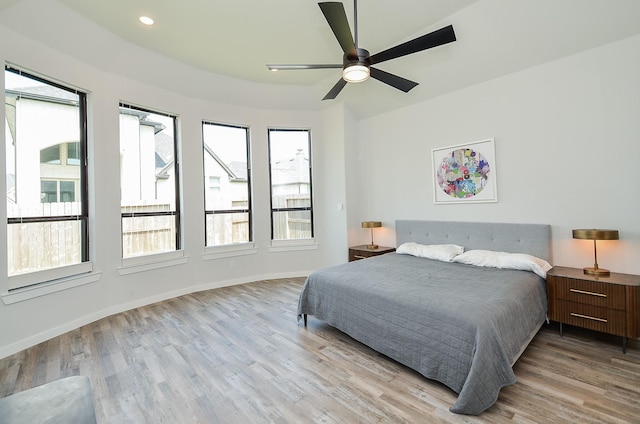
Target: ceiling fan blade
295 67
433 39
337 19
393 80
335 90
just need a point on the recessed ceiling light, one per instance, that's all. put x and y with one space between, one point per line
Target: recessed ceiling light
146 20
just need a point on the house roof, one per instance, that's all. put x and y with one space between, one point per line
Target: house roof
235 170
164 149
45 93
239 169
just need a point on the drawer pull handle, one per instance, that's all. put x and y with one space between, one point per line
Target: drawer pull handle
588 292
360 257
588 317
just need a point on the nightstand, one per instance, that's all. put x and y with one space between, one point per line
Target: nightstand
362 252
607 304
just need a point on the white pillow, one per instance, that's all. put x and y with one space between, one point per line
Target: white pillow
504 260
478 257
440 252
526 263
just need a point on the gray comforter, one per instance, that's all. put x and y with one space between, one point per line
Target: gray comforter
459 324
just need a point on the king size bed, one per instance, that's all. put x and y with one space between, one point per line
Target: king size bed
462 319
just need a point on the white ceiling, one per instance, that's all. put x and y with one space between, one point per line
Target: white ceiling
237 38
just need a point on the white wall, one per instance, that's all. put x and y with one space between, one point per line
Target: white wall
28 322
567 137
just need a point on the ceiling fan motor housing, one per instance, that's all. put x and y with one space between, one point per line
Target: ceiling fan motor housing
362 59
356 68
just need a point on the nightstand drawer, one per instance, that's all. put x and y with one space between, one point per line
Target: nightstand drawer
363 252
597 318
591 292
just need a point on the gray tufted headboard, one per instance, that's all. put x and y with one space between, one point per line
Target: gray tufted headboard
534 239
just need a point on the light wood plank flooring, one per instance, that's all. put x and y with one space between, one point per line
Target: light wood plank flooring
237 355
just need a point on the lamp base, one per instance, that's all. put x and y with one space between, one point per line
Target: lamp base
598 272
372 246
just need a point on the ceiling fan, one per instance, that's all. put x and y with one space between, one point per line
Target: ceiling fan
356 62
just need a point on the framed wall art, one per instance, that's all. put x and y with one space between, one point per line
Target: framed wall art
465 173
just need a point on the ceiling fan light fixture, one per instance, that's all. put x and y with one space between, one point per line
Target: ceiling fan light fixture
355 73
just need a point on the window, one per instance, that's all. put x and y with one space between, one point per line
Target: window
48 191
73 154
67 191
291 194
149 181
47 208
227 184
57 191
50 155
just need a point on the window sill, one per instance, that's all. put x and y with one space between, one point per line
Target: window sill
29 279
292 245
151 262
53 286
228 251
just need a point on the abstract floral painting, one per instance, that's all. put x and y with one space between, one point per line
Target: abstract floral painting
465 173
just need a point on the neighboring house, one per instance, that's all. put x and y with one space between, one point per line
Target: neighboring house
48 162
225 184
43 177
225 189
47 156
145 156
290 189
291 175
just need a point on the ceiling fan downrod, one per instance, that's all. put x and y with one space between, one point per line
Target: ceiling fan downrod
355 23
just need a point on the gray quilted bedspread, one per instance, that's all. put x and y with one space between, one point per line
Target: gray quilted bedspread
458 324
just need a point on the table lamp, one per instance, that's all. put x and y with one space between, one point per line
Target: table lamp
595 234
371 225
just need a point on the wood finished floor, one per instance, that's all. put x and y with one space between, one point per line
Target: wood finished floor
237 355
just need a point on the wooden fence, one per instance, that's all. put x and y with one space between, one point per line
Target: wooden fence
291 224
41 245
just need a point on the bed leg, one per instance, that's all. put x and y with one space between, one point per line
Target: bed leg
305 319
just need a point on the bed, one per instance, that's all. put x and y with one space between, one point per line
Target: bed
461 324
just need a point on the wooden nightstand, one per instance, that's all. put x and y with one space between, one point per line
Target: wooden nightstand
362 251
607 304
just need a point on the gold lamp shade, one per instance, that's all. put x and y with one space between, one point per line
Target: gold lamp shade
596 234
371 225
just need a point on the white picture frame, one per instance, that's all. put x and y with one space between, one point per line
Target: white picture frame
465 173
